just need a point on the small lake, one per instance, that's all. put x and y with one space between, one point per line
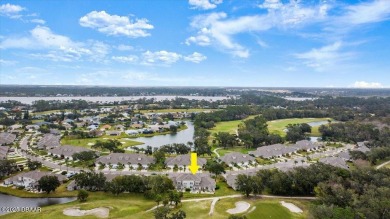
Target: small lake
318 123
29 100
13 201
159 140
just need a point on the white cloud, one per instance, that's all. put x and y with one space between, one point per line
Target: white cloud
116 25
366 12
7 62
201 40
364 84
38 21
160 57
218 30
11 11
204 4
57 47
195 57
126 59
122 47
327 56
271 4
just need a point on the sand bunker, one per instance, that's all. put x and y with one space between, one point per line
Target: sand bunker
290 206
101 212
241 207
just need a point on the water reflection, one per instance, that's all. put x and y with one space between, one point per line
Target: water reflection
13 201
159 140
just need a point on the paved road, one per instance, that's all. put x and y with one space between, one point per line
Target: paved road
215 152
212 206
382 165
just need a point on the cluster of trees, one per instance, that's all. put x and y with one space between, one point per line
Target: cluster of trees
33 165
355 132
165 212
84 156
208 120
299 181
48 183
111 145
254 132
7 167
374 155
176 148
159 188
201 145
359 193
226 140
214 167
273 114
364 193
249 184
44 105
90 181
296 132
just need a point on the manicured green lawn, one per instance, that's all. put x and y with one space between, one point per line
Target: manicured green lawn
243 150
229 126
135 206
277 126
86 141
265 208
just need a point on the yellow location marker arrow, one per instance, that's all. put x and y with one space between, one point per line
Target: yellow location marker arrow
194 163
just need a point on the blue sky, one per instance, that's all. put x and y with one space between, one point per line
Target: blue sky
265 43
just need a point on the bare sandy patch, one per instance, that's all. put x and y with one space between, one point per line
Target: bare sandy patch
101 212
241 207
290 206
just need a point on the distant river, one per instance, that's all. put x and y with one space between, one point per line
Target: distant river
13 201
29 100
159 140
300 98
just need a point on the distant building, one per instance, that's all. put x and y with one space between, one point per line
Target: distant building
66 151
134 160
361 146
237 158
198 183
305 145
7 138
182 161
3 152
273 151
334 161
30 179
132 132
49 141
